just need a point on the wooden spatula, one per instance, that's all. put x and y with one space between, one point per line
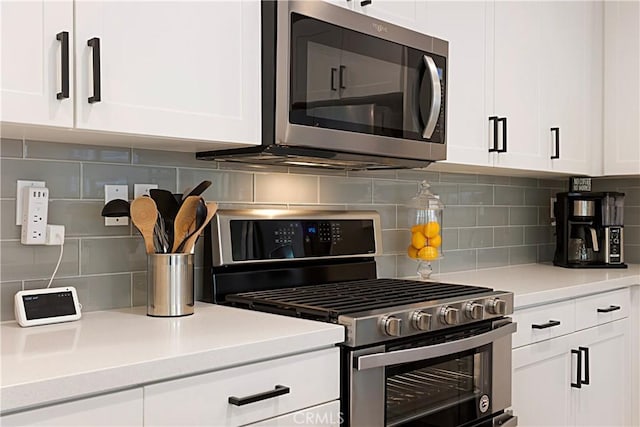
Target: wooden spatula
185 220
189 242
144 215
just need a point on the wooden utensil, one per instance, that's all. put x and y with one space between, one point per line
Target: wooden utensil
188 243
144 215
185 220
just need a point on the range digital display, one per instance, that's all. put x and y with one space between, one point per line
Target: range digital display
40 306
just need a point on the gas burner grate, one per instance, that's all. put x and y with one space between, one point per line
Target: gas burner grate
328 301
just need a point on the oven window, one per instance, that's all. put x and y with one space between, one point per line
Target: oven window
345 80
443 392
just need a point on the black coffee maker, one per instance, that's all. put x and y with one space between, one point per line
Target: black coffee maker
589 230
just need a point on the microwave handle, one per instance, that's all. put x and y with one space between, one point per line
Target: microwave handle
379 360
436 98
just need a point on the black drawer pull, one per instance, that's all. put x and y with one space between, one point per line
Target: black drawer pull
365 2
63 37
278 391
494 120
609 309
97 92
556 131
549 324
504 135
585 350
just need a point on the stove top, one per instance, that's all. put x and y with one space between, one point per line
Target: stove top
327 302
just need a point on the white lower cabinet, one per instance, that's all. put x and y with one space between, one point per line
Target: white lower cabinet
247 394
115 409
579 378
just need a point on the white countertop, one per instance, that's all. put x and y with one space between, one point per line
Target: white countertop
110 350
535 284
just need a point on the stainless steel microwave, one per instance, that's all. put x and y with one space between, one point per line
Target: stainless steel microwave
343 90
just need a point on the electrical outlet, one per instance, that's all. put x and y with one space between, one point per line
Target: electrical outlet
35 203
21 184
112 192
143 189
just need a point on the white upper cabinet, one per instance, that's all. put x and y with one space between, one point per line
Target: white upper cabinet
399 12
34 39
463 25
171 69
571 85
517 54
622 88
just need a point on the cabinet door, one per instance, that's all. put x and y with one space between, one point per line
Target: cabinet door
463 25
571 83
622 88
517 63
542 376
31 58
183 69
605 401
115 409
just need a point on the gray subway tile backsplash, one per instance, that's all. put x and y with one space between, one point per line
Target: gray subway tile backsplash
489 221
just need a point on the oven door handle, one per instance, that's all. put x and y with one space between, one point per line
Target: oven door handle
436 97
379 360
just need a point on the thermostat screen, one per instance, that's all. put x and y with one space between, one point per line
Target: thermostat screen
48 305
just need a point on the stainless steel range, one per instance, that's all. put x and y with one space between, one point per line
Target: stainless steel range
416 353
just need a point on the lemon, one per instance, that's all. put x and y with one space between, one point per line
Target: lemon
412 252
418 240
435 242
418 228
432 229
428 253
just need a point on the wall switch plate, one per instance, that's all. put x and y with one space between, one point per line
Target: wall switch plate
112 192
19 193
143 189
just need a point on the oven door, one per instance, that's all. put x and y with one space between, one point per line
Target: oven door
353 86
456 378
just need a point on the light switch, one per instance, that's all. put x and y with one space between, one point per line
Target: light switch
112 192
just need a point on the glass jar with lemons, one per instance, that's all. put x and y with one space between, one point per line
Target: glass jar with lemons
425 220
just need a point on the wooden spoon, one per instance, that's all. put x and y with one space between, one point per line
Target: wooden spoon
144 215
190 241
184 220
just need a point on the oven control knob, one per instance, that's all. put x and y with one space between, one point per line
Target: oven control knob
391 326
474 311
421 320
449 315
497 306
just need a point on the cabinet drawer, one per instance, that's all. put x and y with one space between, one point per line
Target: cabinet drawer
542 323
312 378
602 308
325 415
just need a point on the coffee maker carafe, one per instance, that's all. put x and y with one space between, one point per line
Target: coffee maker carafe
589 230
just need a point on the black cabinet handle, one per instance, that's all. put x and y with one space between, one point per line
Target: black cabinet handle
609 309
365 2
63 37
333 78
278 391
578 383
585 350
95 44
494 119
549 324
504 135
556 131
343 68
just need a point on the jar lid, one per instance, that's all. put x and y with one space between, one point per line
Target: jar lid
425 199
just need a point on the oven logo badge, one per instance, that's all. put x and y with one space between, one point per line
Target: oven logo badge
379 27
484 403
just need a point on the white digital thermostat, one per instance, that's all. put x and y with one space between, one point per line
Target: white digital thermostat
43 306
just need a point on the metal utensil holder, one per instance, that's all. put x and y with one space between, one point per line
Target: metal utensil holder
170 289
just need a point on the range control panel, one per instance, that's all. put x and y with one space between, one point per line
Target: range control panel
265 239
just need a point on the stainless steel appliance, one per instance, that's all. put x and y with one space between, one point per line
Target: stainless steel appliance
416 353
589 230
350 92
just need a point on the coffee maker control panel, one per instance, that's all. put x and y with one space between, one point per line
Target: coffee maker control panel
614 245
